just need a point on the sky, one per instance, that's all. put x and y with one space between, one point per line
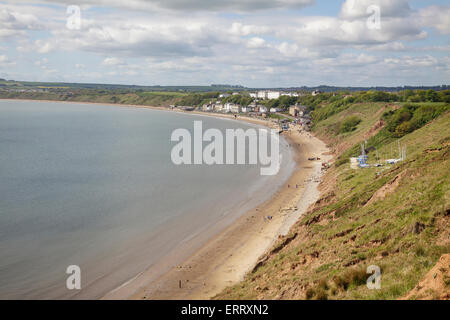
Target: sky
254 43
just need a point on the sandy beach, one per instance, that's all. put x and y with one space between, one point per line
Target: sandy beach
226 257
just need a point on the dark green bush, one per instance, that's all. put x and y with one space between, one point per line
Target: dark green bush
349 124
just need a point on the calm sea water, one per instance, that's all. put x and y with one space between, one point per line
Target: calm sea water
94 186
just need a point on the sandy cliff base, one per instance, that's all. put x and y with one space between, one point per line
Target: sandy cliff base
436 283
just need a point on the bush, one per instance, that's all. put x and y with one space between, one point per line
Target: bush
354 277
310 293
321 295
411 117
341 161
349 124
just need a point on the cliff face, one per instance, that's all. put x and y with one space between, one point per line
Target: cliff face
394 217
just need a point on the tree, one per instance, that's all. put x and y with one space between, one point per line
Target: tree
432 96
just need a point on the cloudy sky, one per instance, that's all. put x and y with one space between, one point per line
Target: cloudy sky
255 43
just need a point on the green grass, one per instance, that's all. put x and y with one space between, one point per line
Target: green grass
358 233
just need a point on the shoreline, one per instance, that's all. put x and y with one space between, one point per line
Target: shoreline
225 258
230 255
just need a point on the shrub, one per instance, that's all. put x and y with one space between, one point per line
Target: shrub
420 251
349 124
354 277
321 295
310 293
323 284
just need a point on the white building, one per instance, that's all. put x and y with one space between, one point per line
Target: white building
290 94
261 94
218 107
249 108
273 94
265 94
224 95
231 107
235 108
208 107
274 110
263 109
253 95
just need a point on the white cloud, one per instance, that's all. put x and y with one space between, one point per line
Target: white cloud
356 9
5 62
188 5
349 60
437 17
13 23
256 42
239 29
408 61
168 42
112 62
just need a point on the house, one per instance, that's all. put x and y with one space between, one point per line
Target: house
265 94
235 108
297 110
261 94
208 107
274 110
289 94
224 95
249 108
227 107
218 106
273 94
294 111
262 109
253 95
231 107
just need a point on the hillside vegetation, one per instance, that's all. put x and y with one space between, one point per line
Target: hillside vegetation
395 217
148 98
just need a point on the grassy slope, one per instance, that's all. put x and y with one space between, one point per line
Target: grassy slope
141 98
329 249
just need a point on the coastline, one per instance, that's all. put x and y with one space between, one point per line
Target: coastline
225 259
229 255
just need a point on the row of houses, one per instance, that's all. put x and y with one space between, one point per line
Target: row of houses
235 108
263 94
270 94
